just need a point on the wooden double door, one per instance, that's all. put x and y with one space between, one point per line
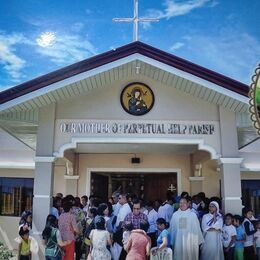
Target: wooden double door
148 186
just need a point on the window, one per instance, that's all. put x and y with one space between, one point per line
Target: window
251 195
16 195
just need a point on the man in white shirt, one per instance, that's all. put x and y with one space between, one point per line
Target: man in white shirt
116 205
166 210
123 211
118 236
152 218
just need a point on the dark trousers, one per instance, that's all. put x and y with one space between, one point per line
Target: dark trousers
25 257
78 249
153 238
123 255
249 253
230 254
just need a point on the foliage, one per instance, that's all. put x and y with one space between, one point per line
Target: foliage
5 254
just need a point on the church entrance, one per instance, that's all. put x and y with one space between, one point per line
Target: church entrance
148 186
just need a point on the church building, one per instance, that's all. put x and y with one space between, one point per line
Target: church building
135 119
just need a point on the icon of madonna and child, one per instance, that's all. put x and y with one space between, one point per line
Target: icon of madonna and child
137 99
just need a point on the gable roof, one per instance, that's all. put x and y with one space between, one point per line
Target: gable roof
119 53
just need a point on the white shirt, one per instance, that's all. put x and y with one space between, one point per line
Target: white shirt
250 238
152 218
227 233
166 212
116 208
123 211
257 237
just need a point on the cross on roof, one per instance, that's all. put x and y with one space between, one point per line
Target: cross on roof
135 20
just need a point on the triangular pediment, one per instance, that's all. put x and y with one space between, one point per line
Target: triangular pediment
135 60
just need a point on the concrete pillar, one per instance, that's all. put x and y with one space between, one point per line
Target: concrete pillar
231 185
44 165
230 163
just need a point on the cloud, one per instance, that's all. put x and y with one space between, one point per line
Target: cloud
12 63
176 8
77 27
67 49
176 46
232 53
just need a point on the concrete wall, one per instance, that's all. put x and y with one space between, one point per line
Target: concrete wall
105 104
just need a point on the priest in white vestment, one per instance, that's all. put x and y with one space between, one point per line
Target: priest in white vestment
185 232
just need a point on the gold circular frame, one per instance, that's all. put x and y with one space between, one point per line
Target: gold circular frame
137 99
254 102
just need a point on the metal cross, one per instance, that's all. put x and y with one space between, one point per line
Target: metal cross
172 187
135 20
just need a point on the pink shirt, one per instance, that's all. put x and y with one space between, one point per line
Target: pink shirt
67 224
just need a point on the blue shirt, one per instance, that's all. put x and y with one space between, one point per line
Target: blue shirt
240 236
164 233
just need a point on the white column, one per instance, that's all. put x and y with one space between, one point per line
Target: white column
43 188
44 162
230 163
231 185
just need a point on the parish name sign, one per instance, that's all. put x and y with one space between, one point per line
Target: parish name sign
150 128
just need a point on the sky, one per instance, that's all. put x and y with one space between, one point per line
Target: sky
37 37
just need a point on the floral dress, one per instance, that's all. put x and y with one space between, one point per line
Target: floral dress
99 239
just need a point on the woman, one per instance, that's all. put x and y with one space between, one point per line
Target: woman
68 227
100 239
211 225
52 239
103 211
80 219
139 243
163 241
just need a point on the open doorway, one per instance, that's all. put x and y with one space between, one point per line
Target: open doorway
145 185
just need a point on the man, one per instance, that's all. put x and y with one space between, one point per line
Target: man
152 218
84 202
123 211
185 232
136 216
118 235
116 205
166 210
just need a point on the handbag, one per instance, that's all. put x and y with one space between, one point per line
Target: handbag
52 247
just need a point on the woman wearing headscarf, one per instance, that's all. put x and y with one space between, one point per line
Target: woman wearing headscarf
211 225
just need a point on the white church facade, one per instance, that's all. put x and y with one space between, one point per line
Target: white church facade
134 118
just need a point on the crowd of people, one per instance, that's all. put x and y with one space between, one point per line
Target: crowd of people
125 227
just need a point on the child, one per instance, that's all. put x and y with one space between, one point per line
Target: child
24 252
249 252
92 212
257 239
128 227
229 237
240 239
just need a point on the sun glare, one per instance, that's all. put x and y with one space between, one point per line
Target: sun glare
46 39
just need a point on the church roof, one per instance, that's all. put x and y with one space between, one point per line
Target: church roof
119 53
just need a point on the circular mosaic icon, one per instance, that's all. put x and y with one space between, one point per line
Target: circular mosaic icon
137 99
254 95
